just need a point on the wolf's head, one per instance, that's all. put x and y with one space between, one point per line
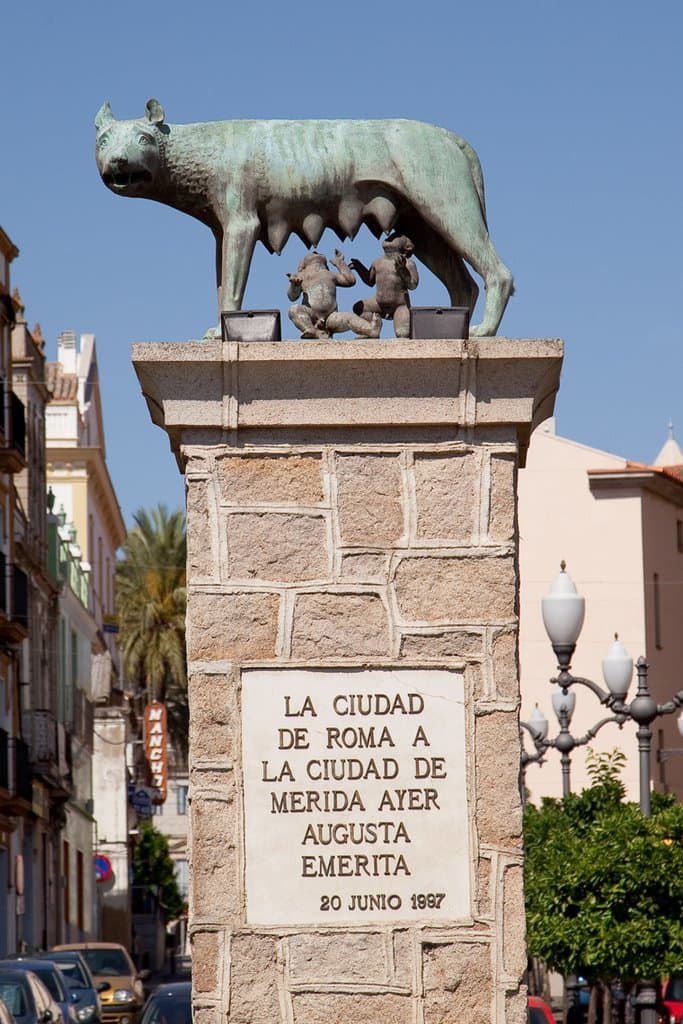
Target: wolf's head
128 152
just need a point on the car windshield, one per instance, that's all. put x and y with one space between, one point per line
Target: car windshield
73 973
169 1010
674 990
106 961
52 980
12 995
536 1015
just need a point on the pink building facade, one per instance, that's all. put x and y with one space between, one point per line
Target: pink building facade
619 527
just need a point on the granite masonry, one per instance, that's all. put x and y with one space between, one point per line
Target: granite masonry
352 630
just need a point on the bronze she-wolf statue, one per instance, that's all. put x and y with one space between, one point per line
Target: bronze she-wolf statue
255 181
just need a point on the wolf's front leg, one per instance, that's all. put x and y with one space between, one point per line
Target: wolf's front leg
236 250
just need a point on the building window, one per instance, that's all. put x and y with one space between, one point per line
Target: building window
182 877
80 895
657 611
65 880
679 535
181 799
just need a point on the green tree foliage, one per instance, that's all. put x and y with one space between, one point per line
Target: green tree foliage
153 869
150 601
604 885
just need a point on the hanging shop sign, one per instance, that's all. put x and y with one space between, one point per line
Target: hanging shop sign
141 800
156 749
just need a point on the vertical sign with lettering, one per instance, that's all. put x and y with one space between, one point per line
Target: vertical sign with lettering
156 749
355 796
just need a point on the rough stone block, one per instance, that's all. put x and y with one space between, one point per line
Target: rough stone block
484 886
365 566
444 644
201 552
205 965
337 1008
281 547
514 922
230 627
516 1009
446 491
369 494
476 680
505 666
337 959
337 625
254 997
213 715
503 498
205 1015
212 779
404 957
457 983
499 809
433 588
214 875
270 479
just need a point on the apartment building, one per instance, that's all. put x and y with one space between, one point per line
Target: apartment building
91 525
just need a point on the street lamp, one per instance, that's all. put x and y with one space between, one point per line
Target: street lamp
563 611
563 703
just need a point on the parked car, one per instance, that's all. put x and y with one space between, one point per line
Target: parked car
169 1004
85 992
52 979
672 997
5 1016
538 1012
26 998
122 1002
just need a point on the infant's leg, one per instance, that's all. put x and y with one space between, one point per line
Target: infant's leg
402 321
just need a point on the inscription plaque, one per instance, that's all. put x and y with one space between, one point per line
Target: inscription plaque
355 796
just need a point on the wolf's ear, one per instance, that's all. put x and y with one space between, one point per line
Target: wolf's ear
104 116
154 111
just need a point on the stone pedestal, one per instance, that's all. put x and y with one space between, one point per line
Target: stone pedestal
356 842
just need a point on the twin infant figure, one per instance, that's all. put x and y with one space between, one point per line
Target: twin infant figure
394 275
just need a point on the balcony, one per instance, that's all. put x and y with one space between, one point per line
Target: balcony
49 749
13 602
4 760
40 730
13 437
16 783
16 778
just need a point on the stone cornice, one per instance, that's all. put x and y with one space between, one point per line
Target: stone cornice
215 392
95 468
7 246
664 486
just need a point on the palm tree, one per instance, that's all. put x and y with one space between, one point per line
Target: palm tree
150 601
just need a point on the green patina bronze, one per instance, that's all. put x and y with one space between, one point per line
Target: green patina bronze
255 181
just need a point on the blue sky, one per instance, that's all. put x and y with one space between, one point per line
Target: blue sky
574 110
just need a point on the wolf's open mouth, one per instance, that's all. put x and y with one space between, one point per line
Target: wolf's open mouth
123 179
